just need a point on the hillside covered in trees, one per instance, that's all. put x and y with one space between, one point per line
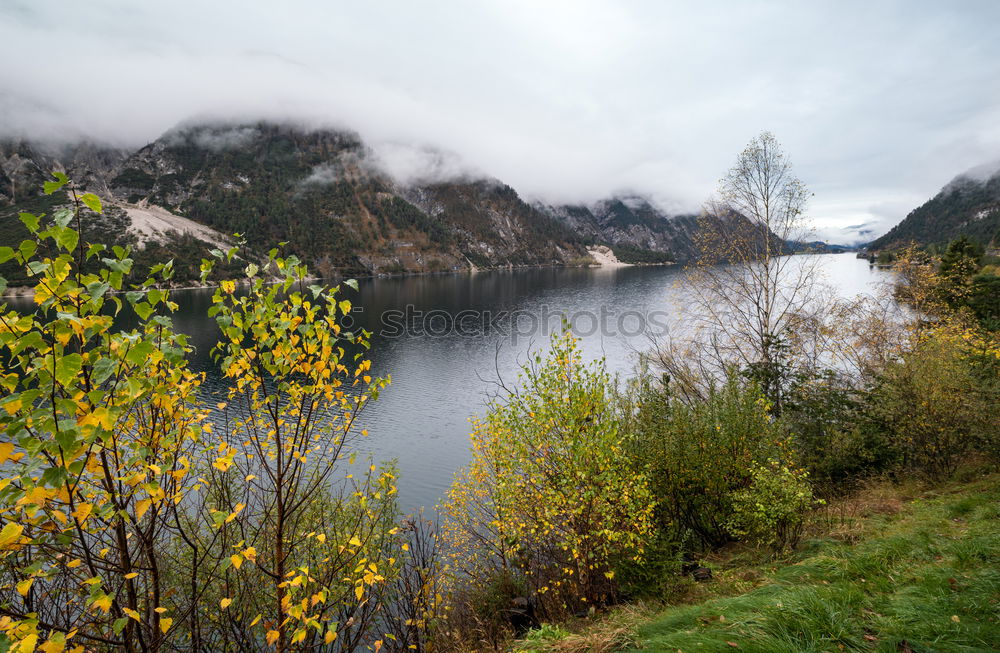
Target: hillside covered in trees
326 194
969 206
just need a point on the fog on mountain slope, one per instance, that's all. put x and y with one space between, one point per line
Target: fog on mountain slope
331 197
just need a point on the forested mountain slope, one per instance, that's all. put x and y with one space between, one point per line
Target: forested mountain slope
325 193
968 205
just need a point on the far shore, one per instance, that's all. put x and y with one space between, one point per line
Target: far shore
28 291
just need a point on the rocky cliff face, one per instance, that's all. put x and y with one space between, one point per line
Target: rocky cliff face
25 166
324 193
637 230
968 205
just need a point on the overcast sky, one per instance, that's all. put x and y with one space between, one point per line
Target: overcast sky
878 104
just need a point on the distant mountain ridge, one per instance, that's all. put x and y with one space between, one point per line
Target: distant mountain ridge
967 205
326 195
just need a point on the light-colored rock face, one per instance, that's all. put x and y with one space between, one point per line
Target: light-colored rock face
605 257
632 222
152 223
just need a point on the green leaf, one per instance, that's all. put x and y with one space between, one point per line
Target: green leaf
27 249
37 267
93 202
54 476
351 283
67 238
30 221
143 310
6 254
103 369
67 440
50 187
63 217
138 354
68 368
97 289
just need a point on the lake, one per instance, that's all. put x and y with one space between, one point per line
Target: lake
446 339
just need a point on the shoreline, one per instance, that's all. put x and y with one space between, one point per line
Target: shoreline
28 291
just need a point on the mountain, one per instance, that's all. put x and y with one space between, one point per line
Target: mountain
326 194
818 247
968 205
636 230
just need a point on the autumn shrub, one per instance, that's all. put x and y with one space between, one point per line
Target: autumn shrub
771 510
827 415
551 498
138 513
936 406
700 456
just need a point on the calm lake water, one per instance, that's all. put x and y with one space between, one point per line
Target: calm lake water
446 339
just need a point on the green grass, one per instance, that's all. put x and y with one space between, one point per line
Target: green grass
926 578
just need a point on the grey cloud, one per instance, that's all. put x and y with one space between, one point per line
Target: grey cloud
321 175
878 103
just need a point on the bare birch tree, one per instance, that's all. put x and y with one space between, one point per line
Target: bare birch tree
747 298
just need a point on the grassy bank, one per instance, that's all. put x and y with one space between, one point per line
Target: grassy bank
891 569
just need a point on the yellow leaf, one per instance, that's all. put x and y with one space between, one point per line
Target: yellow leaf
6 449
10 534
321 538
250 553
224 603
35 496
131 575
25 586
256 620
165 623
237 560
141 507
359 591
131 613
83 511
355 541
272 637
330 636
56 644
26 645
103 602
12 406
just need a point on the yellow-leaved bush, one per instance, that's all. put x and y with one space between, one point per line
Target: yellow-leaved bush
551 500
140 513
